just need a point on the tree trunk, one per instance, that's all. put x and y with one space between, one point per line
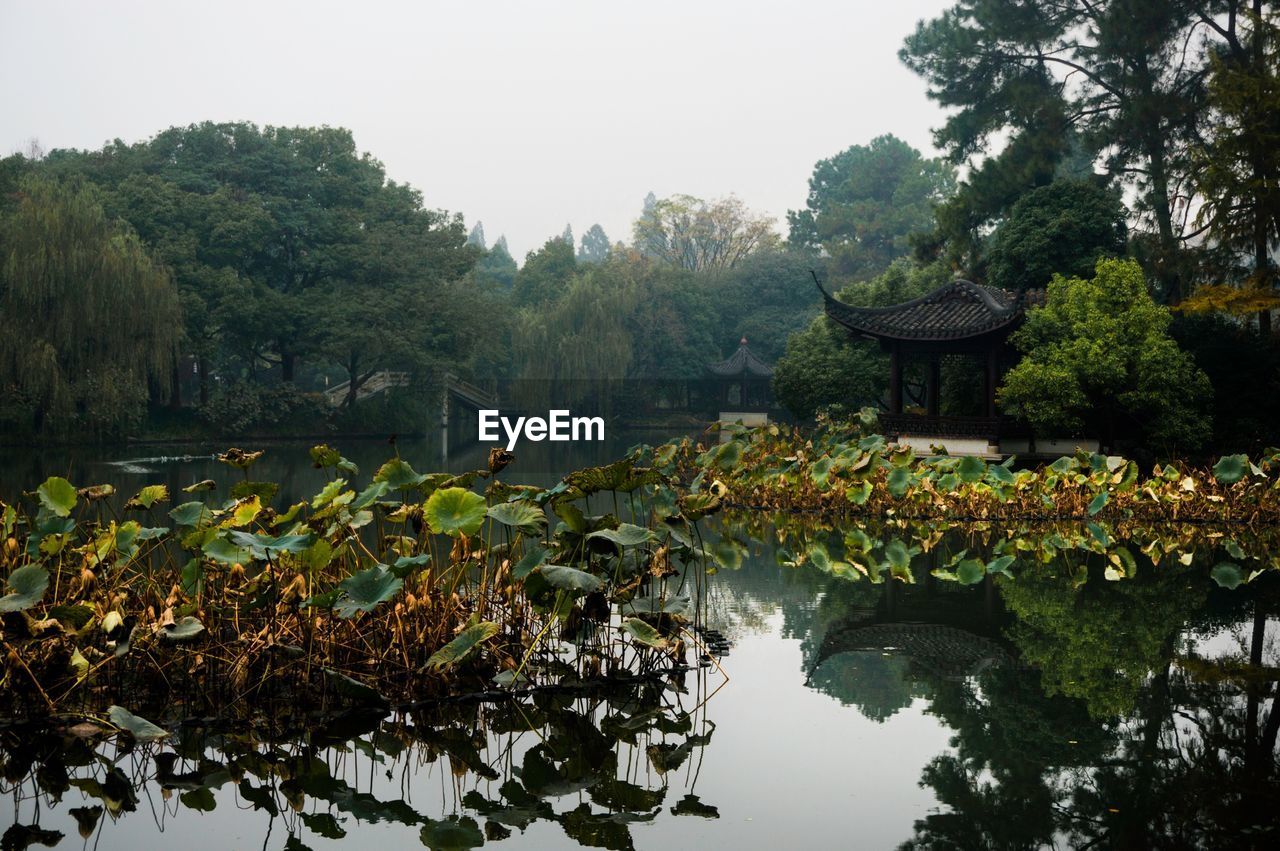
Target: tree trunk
175 389
203 366
353 383
288 362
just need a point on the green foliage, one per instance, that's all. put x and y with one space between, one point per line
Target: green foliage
138 727
1236 166
766 298
27 585
1098 358
1063 228
246 407
545 273
87 317
455 512
866 201
1117 83
1244 369
595 246
462 645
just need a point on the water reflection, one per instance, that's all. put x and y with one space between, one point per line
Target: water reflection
1059 708
1084 712
456 775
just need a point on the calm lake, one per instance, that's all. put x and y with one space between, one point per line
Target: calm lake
1040 712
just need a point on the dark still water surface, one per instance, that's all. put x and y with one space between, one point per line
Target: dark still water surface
1040 712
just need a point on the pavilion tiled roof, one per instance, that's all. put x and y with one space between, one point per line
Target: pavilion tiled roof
954 311
741 363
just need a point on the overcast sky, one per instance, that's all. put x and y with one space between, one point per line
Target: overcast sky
524 115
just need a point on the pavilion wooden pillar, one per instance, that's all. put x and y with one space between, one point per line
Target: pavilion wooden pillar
933 385
992 355
895 380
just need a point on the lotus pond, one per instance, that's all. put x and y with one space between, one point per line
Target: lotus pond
756 678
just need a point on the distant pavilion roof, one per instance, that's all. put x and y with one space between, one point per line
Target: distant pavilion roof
741 363
955 311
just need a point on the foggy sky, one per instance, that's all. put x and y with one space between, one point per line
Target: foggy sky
524 115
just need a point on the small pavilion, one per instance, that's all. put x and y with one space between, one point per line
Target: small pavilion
741 384
958 318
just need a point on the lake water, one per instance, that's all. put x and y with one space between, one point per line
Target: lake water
1011 714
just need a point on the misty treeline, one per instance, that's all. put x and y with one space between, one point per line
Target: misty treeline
231 279
222 276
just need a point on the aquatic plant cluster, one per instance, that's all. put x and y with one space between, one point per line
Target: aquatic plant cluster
413 586
845 467
506 765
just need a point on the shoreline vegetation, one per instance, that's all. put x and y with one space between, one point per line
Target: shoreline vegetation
421 586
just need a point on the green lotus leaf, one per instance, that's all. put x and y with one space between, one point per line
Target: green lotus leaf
570 578
462 645
188 514
1227 575
626 535
455 511
642 633
398 475
970 571
519 515
140 728
26 588
1231 468
57 495
365 590
971 469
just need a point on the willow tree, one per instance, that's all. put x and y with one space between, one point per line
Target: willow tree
573 352
88 321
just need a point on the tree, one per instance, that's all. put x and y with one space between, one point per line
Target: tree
476 237
1061 228
497 268
1098 357
572 350
766 298
697 235
546 273
1124 77
595 246
87 319
1238 166
567 236
866 201
259 225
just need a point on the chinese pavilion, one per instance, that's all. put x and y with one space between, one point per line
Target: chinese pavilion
959 318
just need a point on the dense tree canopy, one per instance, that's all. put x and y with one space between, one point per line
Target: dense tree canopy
1238 165
866 201
1123 79
1098 356
1062 228
88 320
260 223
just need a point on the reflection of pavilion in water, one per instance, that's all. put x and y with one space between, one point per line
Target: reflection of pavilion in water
908 640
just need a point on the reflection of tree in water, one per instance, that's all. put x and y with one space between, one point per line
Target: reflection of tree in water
1137 745
1100 642
1085 715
